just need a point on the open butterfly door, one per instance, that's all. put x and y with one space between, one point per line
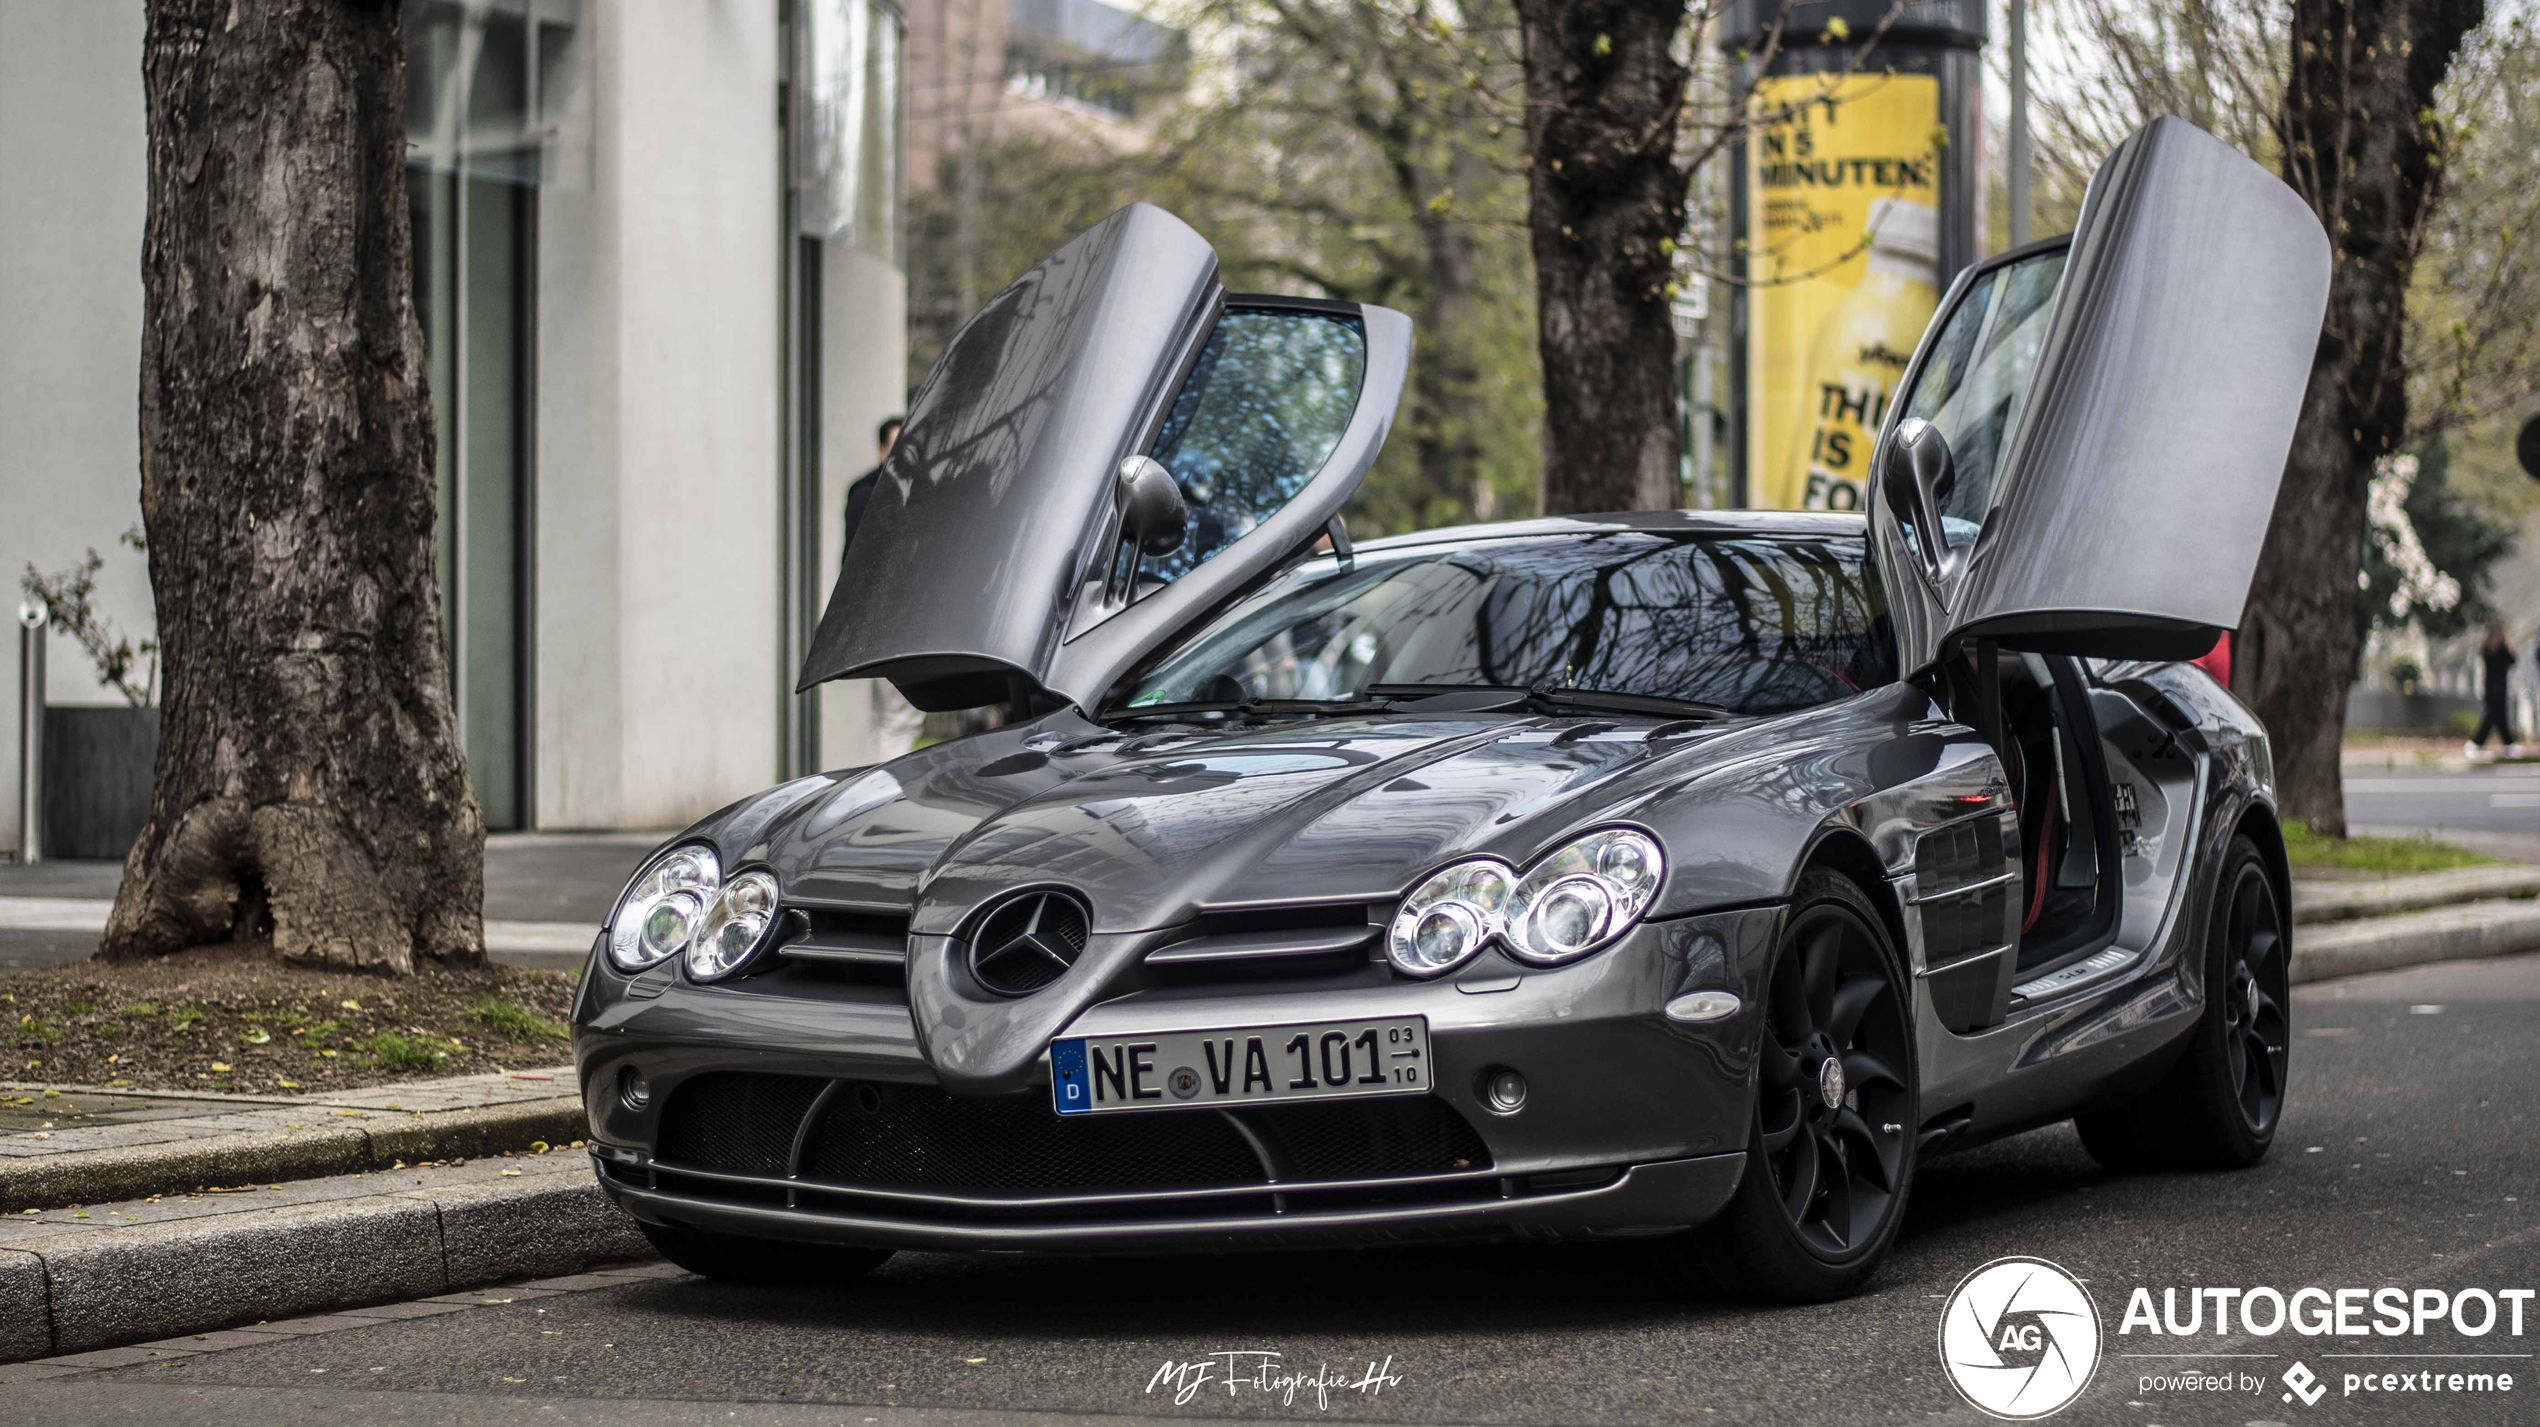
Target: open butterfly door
1111 448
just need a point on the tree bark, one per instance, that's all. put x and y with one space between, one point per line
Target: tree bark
2361 147
310 786
1444 388
1606 200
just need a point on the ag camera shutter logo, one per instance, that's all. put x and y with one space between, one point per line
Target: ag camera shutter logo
2019 1339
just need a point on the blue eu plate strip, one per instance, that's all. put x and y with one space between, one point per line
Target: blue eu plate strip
1068 1089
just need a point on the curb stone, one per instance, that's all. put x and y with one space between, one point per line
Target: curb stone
70 1287
2470 932
2317 902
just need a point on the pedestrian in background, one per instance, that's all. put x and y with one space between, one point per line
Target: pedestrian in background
860 490
893 727
2497 654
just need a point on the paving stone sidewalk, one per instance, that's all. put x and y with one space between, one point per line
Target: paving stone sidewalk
69 1142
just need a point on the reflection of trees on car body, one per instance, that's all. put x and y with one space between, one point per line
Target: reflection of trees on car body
1758 625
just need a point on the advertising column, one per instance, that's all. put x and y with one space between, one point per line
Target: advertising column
1854 203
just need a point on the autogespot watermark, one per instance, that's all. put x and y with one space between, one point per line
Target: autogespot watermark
2020 1339
2449 1342
1264 1372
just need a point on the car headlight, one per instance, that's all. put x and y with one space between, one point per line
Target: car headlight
662 909
1569 904
735 926
1449 917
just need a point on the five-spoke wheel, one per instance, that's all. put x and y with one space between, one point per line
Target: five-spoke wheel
1831 1098
1830 1157
2219 1106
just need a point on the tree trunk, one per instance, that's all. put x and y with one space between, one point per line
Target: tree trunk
1445 384
1606 201
2362 74
310 786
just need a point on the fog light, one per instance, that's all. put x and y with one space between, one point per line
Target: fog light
1504 1090
633 1091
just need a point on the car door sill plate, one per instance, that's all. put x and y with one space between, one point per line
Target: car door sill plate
2074 975
1247 1065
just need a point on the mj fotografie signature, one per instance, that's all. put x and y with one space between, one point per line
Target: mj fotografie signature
1260 1370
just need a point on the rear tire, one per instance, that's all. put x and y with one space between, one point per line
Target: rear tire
2219 1107
745 1260
1826 1183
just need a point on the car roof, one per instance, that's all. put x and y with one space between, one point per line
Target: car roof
1795 523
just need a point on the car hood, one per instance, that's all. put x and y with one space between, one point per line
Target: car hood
1153 827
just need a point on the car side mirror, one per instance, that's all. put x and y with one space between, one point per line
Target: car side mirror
1152 512
1916 478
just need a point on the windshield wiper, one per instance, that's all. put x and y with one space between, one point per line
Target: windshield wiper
1545 698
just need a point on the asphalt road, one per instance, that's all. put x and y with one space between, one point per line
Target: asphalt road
2407 1158
2496 800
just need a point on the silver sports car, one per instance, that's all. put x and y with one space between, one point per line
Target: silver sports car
1691 876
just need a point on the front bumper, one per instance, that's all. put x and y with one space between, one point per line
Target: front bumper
1633 1123
1634 1200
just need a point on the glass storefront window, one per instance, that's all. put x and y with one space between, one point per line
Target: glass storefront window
483 78
847 135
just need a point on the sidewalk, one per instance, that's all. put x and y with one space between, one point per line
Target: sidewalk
74 1144
545 895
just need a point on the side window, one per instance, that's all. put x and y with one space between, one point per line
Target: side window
1977 380
1260 413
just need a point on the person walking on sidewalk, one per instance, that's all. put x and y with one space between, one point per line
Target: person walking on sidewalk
894 727
860 490
2497 654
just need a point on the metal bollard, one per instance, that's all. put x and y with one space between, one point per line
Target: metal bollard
33 617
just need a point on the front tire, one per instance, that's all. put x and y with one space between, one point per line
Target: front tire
1830 1151
746 1260
2219 1107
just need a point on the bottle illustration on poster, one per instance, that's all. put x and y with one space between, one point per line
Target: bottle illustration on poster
1860 352
1843 246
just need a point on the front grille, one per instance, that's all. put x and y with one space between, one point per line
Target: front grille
1368 1139
737 1121
917 1137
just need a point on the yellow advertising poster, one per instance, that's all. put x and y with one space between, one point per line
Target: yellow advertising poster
1843 230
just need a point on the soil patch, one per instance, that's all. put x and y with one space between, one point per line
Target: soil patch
235 1020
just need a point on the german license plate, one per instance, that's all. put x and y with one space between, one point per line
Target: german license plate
1323 1060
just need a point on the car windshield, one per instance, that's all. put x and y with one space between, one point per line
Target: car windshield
1758 624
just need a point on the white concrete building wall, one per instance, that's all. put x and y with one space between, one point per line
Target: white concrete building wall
73 190
658 474
863 373
659 530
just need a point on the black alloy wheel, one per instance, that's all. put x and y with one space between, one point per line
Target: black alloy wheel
1830 1099
2219 1106
1830 1157
2257 1034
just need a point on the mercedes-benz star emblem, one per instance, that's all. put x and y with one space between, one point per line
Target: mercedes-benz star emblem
1029 943
1830 1082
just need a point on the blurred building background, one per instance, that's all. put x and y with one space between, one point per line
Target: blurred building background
658 265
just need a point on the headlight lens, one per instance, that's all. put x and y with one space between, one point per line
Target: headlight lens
1583 896
734 926
660 913
1579 899
1448 918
